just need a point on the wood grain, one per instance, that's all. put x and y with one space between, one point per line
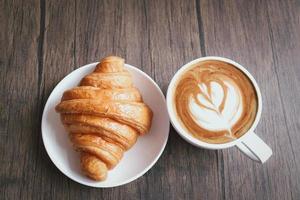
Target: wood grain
42 41
57 31
19 100
146 42
241 30
285 43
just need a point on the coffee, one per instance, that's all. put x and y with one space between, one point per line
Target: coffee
215 101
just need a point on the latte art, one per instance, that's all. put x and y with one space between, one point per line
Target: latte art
215 101
218 110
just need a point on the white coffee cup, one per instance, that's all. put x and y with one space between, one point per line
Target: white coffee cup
249 143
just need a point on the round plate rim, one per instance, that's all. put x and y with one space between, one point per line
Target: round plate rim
130 179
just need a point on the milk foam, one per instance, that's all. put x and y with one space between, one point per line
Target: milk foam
208 114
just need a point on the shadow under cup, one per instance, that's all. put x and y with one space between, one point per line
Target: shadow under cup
205 106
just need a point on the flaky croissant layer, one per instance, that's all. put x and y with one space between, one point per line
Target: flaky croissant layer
104 116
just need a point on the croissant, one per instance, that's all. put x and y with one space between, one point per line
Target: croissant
104 116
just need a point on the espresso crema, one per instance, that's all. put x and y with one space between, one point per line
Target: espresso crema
215 101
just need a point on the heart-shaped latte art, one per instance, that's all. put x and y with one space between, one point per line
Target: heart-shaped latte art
215 101
217 107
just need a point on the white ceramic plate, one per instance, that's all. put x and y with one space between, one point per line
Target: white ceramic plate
136 161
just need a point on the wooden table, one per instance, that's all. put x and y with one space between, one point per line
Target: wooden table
43 41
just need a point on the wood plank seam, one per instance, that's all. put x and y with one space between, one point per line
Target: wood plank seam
200 27
40 54
275 60
220 158
152 68
220 165
75 35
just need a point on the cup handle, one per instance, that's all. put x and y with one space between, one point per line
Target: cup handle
255 148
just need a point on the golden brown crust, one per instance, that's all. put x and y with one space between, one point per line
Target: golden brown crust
136 115
89 92
123 135
93 167
104 116
109 153
108 80
110 64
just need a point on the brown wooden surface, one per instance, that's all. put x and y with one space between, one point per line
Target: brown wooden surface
43 41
